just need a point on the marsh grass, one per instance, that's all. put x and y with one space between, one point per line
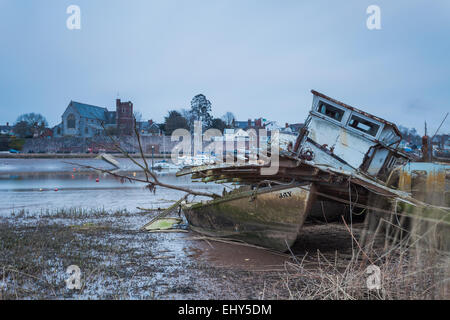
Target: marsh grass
32 259
413 266
119 262
34 256
71 213
402 277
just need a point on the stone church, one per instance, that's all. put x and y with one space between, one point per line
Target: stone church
84 120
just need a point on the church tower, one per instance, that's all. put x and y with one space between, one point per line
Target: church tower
124 117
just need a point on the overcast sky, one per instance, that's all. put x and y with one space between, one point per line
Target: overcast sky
253 58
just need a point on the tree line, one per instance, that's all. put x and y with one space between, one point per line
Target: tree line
30 125
200 111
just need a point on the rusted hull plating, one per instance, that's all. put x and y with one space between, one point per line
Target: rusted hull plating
269 217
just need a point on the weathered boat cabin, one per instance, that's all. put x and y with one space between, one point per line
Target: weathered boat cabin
343 137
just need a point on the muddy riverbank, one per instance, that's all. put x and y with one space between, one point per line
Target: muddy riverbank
117 261
7 155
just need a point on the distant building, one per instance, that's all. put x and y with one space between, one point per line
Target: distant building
46 133
6 130
249 124
84 120
239 130
57 130
149 128
272 125
233 135
293 128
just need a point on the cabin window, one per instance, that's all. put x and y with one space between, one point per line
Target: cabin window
71 121
391 162
330 111
363 125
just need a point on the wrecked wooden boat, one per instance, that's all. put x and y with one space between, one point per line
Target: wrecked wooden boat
348 154
348 158
270 217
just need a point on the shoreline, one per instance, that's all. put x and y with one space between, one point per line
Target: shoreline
73 156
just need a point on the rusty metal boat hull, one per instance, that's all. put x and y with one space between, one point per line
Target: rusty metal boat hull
268 217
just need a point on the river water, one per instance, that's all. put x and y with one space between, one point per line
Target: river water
45 185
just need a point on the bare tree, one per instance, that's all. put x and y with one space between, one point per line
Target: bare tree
137 115
30 124
228 118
